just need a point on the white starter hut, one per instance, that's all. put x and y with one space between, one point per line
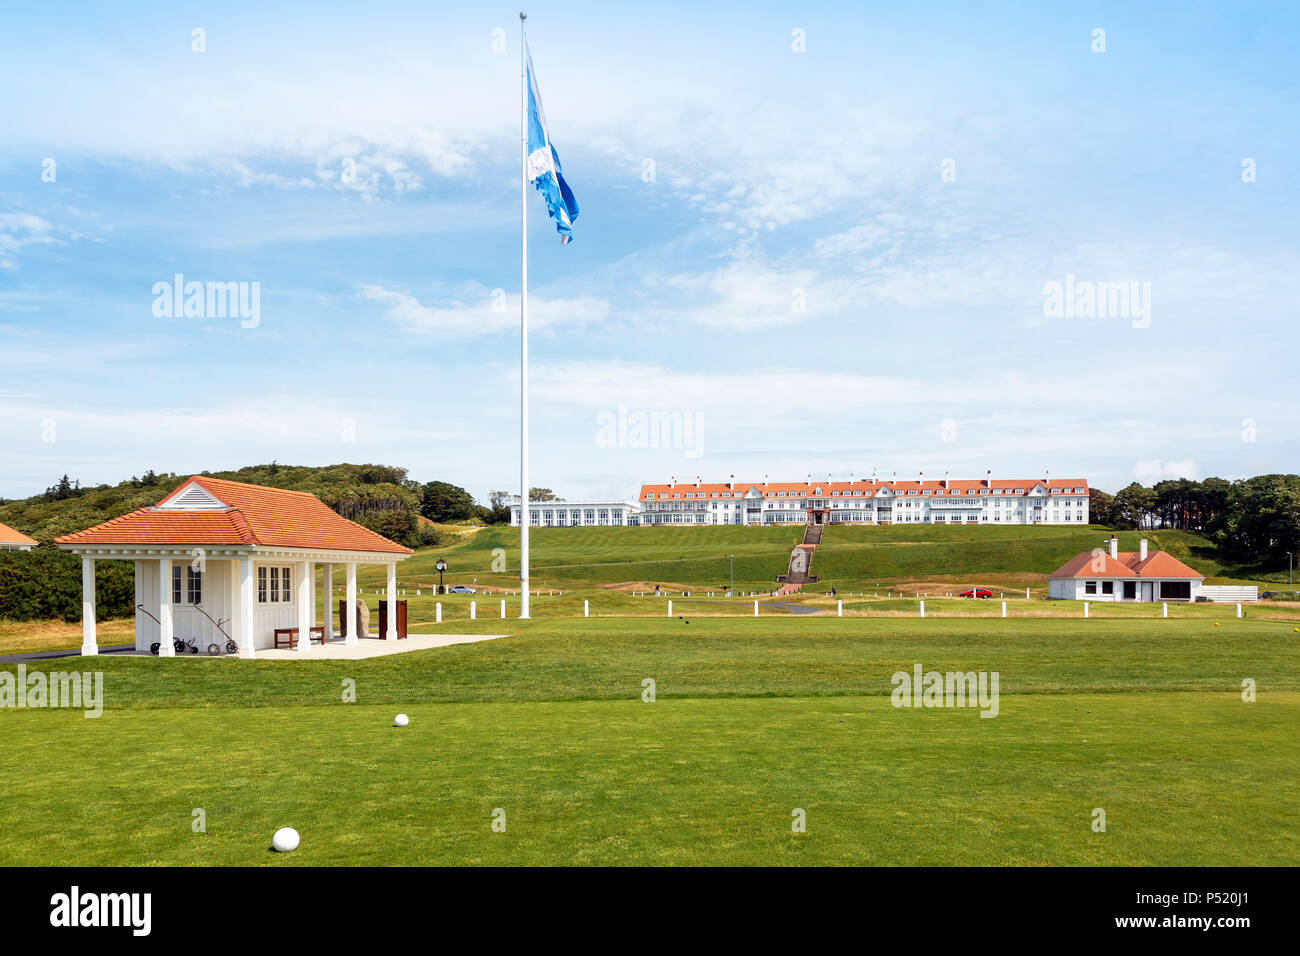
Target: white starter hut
11 540
1108 574
220 559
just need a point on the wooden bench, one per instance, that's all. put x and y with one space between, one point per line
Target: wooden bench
288 636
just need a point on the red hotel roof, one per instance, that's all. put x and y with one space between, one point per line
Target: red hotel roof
9 536
937 488
248 515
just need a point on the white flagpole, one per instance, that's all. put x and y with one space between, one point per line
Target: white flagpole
524 510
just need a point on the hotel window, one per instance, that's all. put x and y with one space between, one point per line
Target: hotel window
591 516
261 585
275 585
1107 587
604 516
1090 587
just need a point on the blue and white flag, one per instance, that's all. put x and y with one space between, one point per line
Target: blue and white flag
544 163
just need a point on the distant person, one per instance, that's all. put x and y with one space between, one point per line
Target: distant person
656 590
832 590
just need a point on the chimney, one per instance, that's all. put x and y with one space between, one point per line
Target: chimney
945 479
988 479
895 478
1142 550
1114 547
732 482
809 481
672 482
697 481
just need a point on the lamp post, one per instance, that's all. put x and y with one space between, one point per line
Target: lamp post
441 566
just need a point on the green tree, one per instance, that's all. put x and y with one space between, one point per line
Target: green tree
1101 508
1135 506
443 501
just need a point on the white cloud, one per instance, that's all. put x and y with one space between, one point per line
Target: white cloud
476 310
1154 470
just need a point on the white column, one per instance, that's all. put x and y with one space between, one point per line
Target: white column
922 609
437 613
328 584
473 610
586 609
503 607
1085 608
244 629
1004 608
392 603
350 628
839 608
1164 609
165 630
89 647
305 610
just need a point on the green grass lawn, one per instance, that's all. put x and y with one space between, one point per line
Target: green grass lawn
754 718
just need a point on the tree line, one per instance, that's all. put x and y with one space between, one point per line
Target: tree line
1253 520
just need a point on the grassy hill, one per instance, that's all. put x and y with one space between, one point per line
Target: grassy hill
849 556
859 556
599 557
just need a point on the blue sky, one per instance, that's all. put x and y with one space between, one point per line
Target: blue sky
798 276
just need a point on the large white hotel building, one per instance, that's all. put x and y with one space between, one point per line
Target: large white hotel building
1020 501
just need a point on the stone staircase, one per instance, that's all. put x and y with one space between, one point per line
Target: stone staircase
800 571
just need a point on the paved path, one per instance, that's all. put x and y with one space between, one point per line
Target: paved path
335 650
51 655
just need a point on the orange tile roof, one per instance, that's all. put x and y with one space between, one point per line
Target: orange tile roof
937 488
9 535
1128 564
253 515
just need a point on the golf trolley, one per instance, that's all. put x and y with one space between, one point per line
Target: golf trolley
191 645
214 649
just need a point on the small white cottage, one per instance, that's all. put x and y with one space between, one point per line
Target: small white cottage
1108 574
218 561
11 540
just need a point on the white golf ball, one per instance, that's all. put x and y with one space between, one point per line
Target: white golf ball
401 720
285 840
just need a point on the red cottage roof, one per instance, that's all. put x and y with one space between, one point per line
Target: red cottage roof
1159 564
241 514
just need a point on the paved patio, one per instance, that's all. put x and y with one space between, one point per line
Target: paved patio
336 650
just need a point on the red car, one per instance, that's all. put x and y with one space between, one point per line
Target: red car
977 593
